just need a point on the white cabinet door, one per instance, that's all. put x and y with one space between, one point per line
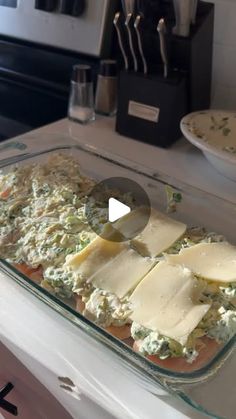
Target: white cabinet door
32 399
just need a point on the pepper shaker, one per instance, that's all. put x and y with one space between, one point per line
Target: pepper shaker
81 101
106 94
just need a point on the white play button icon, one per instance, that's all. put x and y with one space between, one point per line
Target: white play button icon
116 209
112 199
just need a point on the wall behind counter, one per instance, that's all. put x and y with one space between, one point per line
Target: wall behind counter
224 55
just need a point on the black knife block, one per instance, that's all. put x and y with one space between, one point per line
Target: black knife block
150 108
187 89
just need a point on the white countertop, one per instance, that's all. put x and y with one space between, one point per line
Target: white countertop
53 351
182 161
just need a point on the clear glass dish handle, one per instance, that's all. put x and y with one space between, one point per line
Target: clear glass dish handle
32 144
9 149
214 396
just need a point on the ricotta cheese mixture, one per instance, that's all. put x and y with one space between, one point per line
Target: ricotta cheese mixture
42 212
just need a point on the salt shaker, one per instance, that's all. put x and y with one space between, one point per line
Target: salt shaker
106 94
81 102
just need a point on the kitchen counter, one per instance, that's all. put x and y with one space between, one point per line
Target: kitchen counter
50 346
182 161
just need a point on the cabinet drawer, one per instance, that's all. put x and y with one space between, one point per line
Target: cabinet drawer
32 399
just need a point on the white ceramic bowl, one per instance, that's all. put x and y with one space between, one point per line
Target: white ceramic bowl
214 132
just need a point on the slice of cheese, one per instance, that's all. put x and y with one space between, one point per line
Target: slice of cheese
160 233
123 273
131 224
94 256
167 301
110 233
111 266
212 261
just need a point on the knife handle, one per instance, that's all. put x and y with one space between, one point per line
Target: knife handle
161 28
183 16
129 25
137 24
194 11
118 25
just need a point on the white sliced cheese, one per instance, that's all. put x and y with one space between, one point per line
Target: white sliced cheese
167 301
212 261
123 273
94 256
131 224
111 266
160 233
109 233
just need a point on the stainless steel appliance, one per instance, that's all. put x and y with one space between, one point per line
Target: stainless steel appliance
40 41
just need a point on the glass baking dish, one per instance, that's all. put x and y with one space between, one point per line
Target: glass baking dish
196 208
